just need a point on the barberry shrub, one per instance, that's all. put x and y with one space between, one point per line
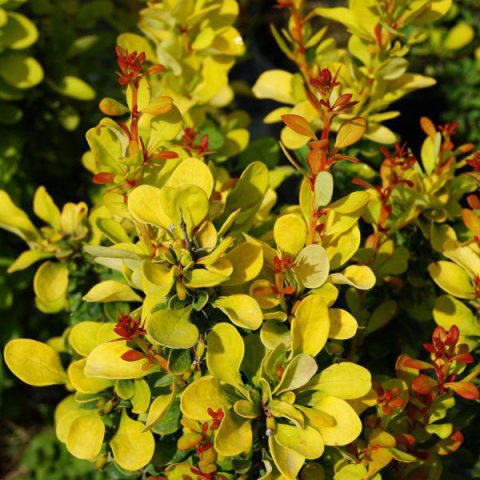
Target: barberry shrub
240 325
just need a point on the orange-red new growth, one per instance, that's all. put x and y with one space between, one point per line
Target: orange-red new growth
130 65
128 328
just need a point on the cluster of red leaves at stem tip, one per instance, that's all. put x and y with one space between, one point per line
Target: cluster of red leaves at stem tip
128 328
131 330
280 267
474 162
132 69
192 144
322 154
447 359
202 442
388 400
447 148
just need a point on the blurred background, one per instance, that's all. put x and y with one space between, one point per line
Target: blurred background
42 137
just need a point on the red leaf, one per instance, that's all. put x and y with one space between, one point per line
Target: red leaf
299 125
133 356
103 178
423 384
428 127
165 155
466 390
463 358
155 69
417 364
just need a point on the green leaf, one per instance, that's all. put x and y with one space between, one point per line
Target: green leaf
20 71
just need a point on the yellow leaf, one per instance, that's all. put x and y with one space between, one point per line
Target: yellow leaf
452 278
105 361
28 258
247 261
133 42
192 172
316 418
350 132
344 380
186 204
124 389
298 373
261 291
243 310
341 248
111 291
132 447
85 336
83 384
225 350
18 32
201 278
145 205
234 436
352 472
358 276
85 436
435 10
448 312
343 324
72 218
201 395
64 406
206 236
159 106
20 71
347 423
310 326
45 208
143 94
290 233
172 328
141 396
312 266
274 85
164 127
307 442
50 285
34 362
75 87
65 420
15 220
157 279
159 407
288 461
